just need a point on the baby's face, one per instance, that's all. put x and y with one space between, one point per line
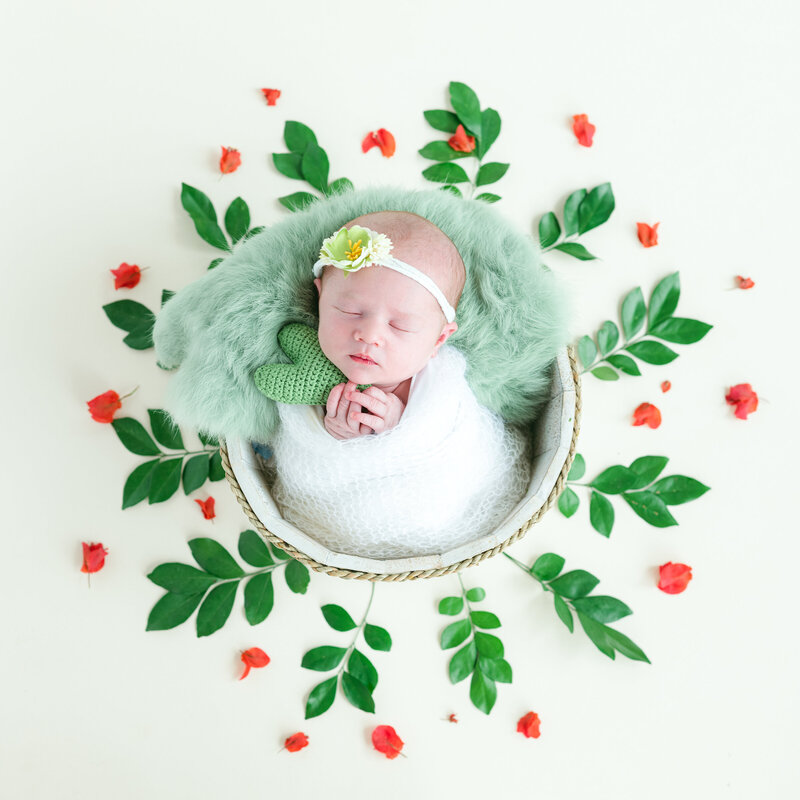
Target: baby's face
378 326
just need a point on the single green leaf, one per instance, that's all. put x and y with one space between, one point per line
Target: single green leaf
357 693
571 205
377 638
576 583
259 598
340 185
489 646
595 208
362 668
490 130
140 339
482 691
601 514
440 151
165 295
195 473
166 480
549 230
216 608
237 219
172 610
614 480
128 315
651 508
278 553
315 167
455 633
624 364
605 374
652 352
490 173
202 212
165 431
297 201
214 558
576 250
337 617
298 136
646 469
597 633
487 197
181 578
134 437
622 644
440 120
564 614
498 669
451 605
633 312
445 173
253 549
463 662
476 594
607 337
321 697
207 439
602 608
587 352
484 619
677 489
215 469
664 300
137 485
451 190
680 330
215 263
323 658
578 469
547 566
466 105
297 576
288 164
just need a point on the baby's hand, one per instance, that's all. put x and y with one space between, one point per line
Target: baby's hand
386 408
339 421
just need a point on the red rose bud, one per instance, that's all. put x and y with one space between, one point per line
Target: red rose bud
385 740
648 235
744 398
231 160
103 406
94 557
381 139
207 507
674 578
583 129
744 283
254 658
461 142
126 276
647 414
665 386
271 95
295 742
528 725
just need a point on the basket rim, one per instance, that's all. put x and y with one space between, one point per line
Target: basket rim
338 572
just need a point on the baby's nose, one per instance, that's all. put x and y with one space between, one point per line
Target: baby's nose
369 333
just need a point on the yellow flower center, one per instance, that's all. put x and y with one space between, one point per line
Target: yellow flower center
355 250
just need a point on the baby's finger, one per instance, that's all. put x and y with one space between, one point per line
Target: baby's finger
344 404
332 403
376 423
369 402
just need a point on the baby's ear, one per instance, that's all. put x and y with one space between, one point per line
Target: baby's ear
318 284
446 333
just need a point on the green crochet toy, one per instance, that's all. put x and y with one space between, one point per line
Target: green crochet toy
308 380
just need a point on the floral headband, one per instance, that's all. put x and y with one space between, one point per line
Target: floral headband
350 249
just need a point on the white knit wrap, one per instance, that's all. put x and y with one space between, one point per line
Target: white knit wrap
448 473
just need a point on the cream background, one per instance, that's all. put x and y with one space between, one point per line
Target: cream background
108 106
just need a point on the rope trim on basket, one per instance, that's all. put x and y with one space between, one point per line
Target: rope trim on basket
420 573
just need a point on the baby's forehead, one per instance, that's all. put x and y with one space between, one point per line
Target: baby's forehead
377 287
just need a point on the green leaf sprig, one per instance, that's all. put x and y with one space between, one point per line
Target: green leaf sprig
583 210
237 221
217 580
571 592
356 673
484 125
134 318
637 485
159 479
305 161
483 655
661 324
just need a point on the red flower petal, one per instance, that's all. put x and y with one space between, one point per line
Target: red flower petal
528 725
744 398
461 142
385 740
271 95
744 283
369 142
452 718
583 129
665 386
673 578
295 742
94 557
126 276
208 507
231 160
103 406
381 139
648 235
647 414
254 658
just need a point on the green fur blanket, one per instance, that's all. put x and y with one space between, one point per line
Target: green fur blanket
217 331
